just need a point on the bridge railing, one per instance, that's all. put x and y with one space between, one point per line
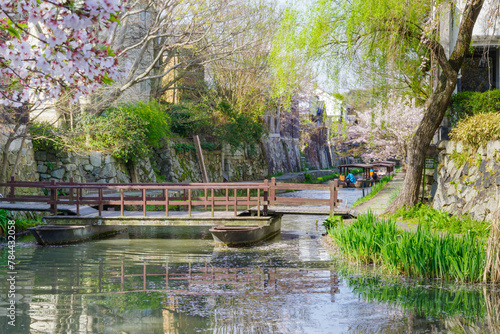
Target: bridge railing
164 195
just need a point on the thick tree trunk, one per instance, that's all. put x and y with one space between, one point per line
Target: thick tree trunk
437 103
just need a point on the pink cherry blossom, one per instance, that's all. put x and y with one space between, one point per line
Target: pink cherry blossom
386 130
52 47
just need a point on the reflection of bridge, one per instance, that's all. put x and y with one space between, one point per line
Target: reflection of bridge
205 280
156 199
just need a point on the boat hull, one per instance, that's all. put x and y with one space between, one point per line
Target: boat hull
70 234
235 236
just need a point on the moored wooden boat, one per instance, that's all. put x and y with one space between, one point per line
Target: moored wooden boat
234 236
69 234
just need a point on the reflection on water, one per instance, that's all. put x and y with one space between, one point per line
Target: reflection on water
288 285
347 195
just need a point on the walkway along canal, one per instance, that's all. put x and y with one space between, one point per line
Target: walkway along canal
291 284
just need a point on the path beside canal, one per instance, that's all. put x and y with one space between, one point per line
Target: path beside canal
380 202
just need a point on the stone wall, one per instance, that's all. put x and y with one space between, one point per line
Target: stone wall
89 167
26 168
282 154
240 165
466 181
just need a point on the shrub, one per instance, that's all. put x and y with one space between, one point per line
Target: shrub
477 130
442 221
117 132
45 137
184 148
156 121
466 104
239 128
187 120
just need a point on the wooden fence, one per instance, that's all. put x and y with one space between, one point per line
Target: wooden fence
207 195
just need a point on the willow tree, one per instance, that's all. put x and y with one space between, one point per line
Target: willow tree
390 43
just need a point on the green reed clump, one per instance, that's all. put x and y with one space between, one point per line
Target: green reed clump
375 189
443 221
418 253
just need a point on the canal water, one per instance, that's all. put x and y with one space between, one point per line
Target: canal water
291 284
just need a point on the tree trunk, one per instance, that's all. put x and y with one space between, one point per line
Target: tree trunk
437 103
5 156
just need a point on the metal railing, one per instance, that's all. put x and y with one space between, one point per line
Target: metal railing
207 195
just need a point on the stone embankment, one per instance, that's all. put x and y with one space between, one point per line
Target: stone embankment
466 181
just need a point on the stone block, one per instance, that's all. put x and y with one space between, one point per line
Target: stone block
51 157
44 176
62 154
40 155
450 147
88 168
41 169
96 171
108 171
71 167
493 148
95 159
107 159
58 173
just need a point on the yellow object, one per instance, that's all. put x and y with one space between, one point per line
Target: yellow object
342 177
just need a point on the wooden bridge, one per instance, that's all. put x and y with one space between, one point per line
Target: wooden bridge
158 199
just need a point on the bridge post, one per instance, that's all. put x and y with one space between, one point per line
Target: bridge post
71 198
166 201
266 196
332 197
12 187
53 195
272 191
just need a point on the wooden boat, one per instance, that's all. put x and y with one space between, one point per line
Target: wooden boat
234 236
69 234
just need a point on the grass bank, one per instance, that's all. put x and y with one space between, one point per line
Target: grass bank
422 253
21 224
375 189
439 220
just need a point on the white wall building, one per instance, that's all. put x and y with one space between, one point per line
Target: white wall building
481 69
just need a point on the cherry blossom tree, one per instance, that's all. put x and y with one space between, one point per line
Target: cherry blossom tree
47 49
386 130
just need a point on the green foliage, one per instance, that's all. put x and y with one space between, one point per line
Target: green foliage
122 134
184 148
4 219
220 121
442 221
188 120
308 178
45 137
156 120
21 224
239 128
416 254
459 158
477 130
379 37
467 104
375 189
210 146
332 221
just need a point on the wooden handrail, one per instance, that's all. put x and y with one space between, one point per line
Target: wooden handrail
63 193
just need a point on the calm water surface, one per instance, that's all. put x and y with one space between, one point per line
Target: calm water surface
288 285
